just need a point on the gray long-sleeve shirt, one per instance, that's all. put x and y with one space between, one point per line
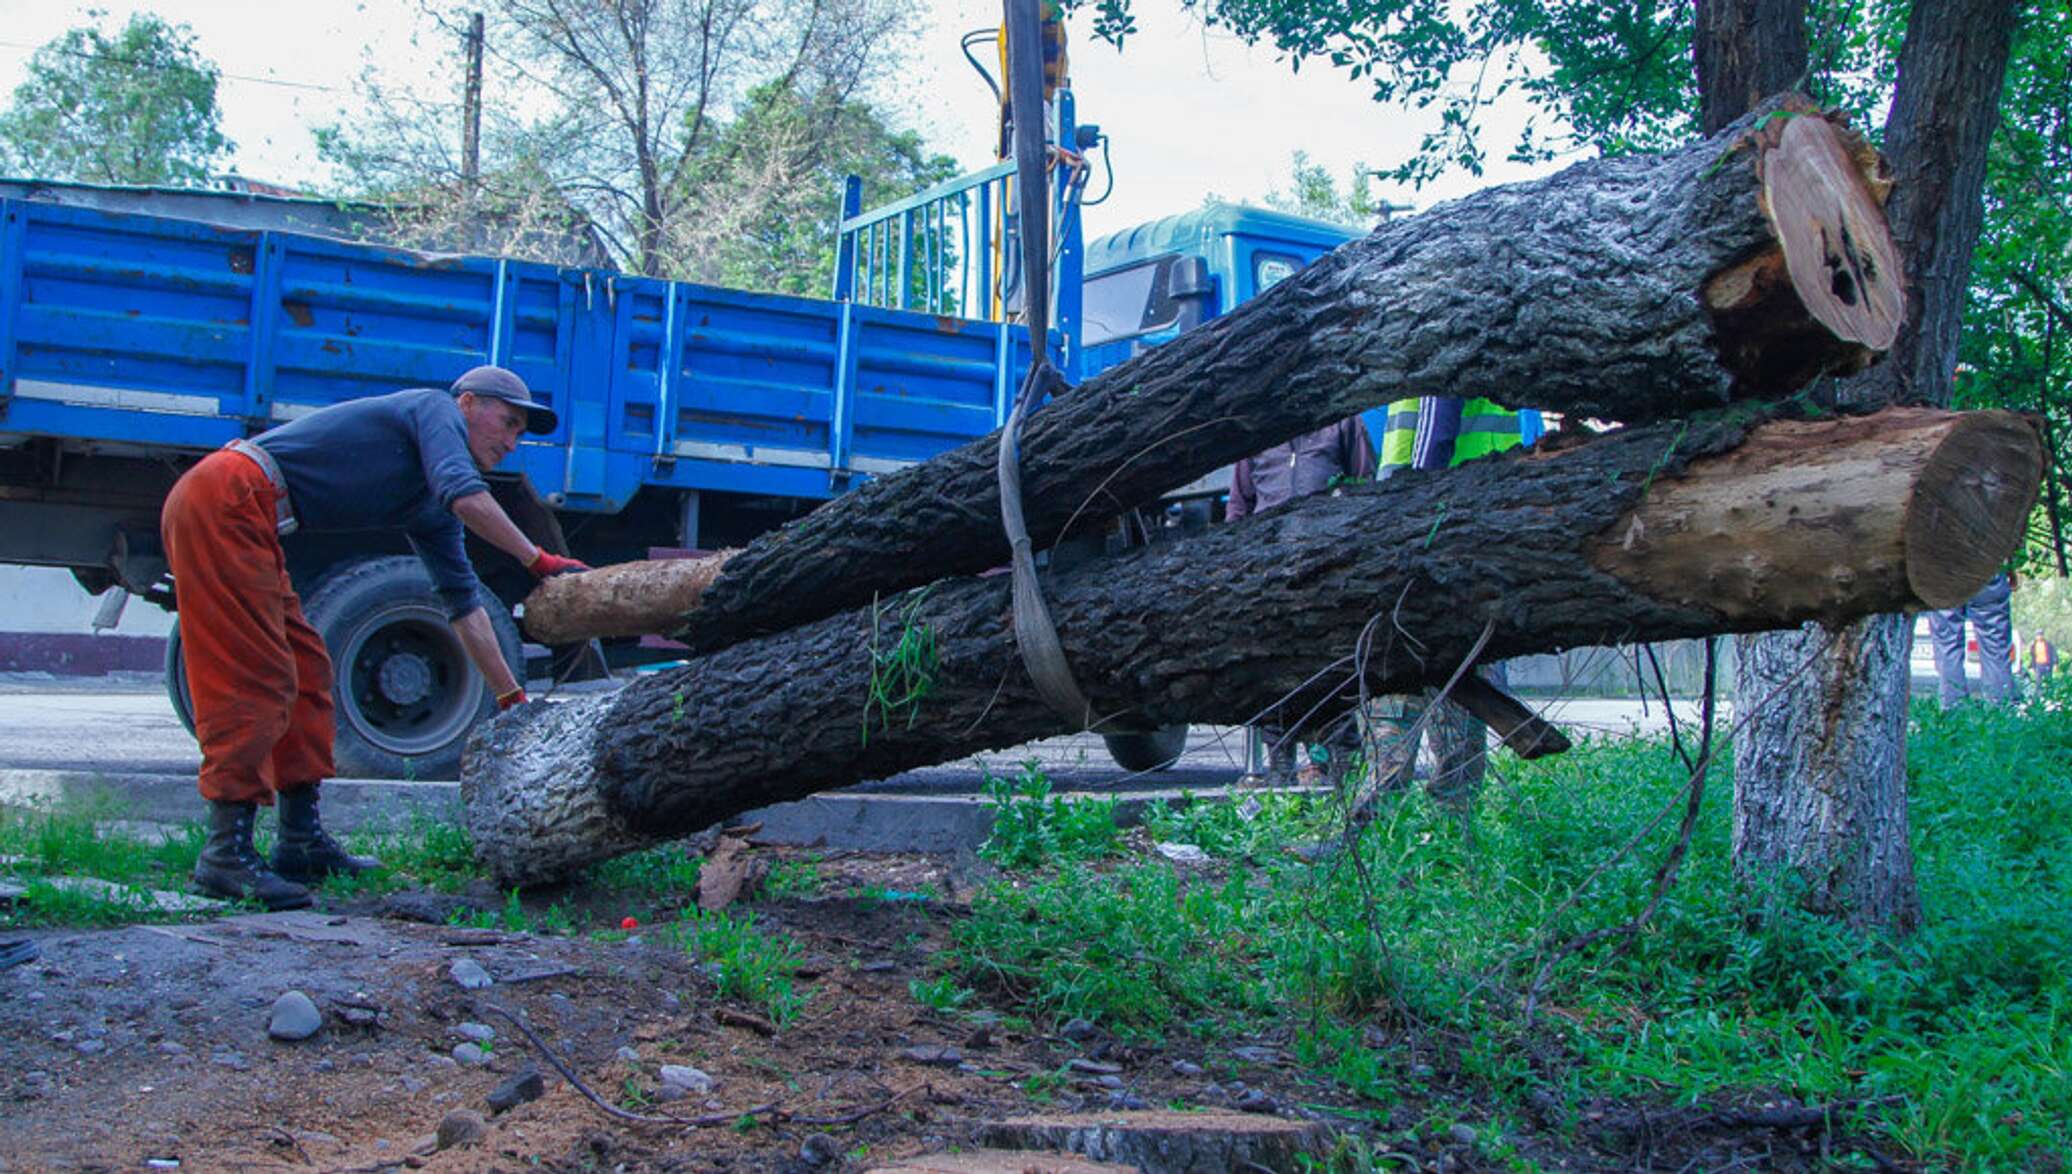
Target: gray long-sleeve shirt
1302 466
387 462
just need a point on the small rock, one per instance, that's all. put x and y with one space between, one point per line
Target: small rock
878 966
169 1048
1256 1101
1124 1099
411 1084
470 1055
687 1078
1186 1068
939 1055
1108 1081
669 1093
294 1017
1253 1054
469 974
476 1033
231 1060
1462 1135
1182 853
516 1090
441 1063
630 1055
37 1084
327 1064
359 1016
90 1047
819 1149
1078 1029
361 1059
1096 1067
461 1127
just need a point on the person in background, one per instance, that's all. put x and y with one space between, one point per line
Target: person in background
1427 433
1310 463
1991 615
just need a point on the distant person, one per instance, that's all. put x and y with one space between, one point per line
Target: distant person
1309 464
2040 658
407 463
1991 616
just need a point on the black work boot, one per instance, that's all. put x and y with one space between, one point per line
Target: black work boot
230 867
305 852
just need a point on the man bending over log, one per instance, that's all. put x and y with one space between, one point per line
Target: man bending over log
258 673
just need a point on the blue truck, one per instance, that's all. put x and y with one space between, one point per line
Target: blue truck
690 416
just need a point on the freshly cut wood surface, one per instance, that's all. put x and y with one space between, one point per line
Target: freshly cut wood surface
629 599
1641 534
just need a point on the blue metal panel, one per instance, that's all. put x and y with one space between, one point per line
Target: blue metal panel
12 228
266 303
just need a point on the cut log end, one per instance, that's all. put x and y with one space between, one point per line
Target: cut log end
631 599
1831 296
1924 504
1971 505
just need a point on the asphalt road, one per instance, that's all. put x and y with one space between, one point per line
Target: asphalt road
123 724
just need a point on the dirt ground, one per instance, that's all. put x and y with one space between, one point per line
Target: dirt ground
147 1047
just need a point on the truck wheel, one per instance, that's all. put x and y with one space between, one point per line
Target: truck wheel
176 678
405 693
1148 749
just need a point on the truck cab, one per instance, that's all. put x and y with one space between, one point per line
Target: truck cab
1149 284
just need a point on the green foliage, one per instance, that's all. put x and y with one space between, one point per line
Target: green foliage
79 842
792 880
904 674
656 872
745 964
1032 827
136 105
514 918
1313 193
1437 923
943 994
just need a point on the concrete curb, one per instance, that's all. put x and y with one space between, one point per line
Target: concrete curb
856 821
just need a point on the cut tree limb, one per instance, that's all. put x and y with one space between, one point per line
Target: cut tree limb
1642 534
1634 288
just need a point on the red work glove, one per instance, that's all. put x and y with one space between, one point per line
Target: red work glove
546 566
507 700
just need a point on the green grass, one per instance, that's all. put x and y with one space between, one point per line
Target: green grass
745 963
74 842
1434 929
1032 827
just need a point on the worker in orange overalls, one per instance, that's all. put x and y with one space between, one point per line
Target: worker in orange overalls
257 672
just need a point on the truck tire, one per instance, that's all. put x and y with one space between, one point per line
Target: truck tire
404 692
1147 750
176 677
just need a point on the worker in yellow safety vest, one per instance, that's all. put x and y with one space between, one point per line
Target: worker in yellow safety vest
1435 432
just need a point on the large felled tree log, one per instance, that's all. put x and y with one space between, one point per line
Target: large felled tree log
1628 289
1644 534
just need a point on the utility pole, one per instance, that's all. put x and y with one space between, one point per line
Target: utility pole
471 110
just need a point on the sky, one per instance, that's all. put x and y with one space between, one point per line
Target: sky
1189 112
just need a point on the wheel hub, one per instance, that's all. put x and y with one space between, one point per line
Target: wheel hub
405 678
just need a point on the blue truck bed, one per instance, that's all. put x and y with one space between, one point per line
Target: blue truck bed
124 331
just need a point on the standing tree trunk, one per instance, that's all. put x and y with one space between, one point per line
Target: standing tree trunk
1820 776
1746 50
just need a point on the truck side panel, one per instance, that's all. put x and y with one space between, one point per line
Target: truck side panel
141 331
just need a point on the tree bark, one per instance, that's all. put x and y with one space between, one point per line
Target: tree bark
1746 50
1629 289
1820 777
1646 533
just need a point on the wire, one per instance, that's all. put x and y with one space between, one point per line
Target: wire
138 63
975 37
1108 165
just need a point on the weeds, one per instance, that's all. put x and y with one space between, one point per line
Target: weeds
753 967
903 675
1032 827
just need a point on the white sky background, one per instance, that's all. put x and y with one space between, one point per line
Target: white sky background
1189 112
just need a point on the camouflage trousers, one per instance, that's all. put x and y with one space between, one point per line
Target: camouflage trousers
1390 739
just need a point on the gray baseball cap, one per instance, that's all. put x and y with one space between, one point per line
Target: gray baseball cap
498 383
